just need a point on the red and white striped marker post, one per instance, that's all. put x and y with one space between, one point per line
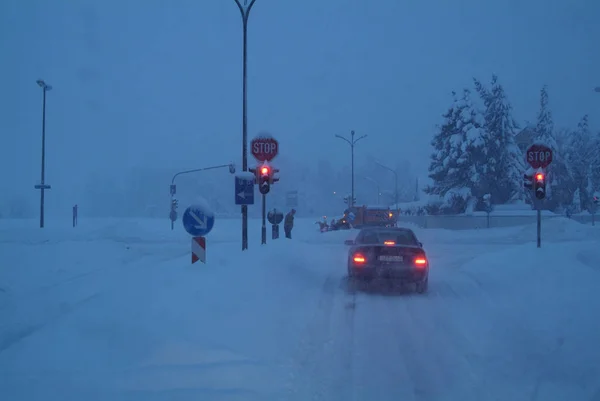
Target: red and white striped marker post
198 249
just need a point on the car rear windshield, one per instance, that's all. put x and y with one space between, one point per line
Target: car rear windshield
398 237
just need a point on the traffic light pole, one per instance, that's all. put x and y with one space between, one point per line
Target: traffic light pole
263 230
539 227
231 167
536 184
265 176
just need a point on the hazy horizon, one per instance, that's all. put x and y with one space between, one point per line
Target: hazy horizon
159 85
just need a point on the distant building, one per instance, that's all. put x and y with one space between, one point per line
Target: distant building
525 137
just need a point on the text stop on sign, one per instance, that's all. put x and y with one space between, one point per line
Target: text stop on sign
264 149
539 156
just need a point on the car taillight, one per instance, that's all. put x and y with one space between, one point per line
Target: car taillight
359 258
389 243
420 261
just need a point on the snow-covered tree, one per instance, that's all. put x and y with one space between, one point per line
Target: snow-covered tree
457 145
576 204
594 177
503 165
558 192
579 151
544 127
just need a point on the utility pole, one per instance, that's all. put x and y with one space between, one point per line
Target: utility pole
416 189
245 11
351 142
42 185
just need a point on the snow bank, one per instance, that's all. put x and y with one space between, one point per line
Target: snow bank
127 315
542 301
553 230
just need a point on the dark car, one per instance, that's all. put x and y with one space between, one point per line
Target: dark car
389 253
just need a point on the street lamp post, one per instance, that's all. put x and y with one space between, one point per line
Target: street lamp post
245 11
396 185
378 187
42 185
352 142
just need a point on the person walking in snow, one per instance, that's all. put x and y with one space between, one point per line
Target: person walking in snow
288 223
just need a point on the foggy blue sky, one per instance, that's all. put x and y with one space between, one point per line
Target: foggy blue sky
158 83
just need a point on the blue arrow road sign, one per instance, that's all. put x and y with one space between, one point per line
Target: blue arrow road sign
198 220
244 190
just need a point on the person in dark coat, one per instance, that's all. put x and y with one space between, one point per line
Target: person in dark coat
288 223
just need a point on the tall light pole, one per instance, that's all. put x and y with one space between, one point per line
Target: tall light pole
42 185
351 142
378 187
245 11
416 198
396 175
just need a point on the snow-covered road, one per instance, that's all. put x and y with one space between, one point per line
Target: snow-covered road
115 311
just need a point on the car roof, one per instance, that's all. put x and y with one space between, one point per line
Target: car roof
387 229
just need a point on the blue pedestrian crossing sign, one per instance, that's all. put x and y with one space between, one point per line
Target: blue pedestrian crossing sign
244 189
198 220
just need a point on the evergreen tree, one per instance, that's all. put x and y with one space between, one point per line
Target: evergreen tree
576 205
594 174
456 146
558 176
544 127
579 152
503 163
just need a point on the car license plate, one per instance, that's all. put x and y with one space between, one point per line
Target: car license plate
391 258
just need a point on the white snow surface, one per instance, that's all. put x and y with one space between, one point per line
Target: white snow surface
264 135
246 175
200 202
114 310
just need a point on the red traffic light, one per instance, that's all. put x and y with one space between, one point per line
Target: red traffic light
539 176
264 170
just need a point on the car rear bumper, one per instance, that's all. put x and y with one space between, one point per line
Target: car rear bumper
400 273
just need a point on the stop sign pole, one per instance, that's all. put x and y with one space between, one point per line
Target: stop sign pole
539 156
264 148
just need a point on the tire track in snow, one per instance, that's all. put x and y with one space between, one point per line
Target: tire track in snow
322 364
9 339
305 363
40 295
444 354
590 258
380 373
